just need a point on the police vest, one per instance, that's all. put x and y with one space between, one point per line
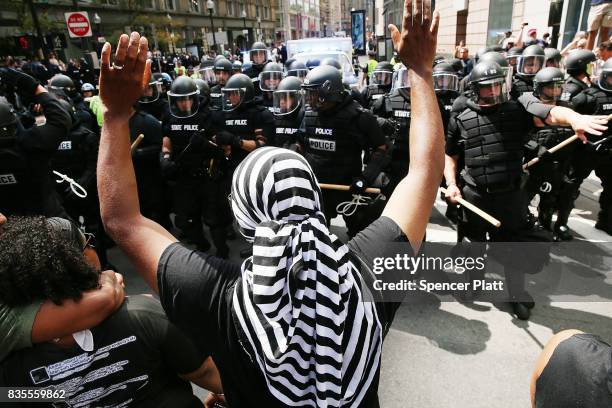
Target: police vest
189 159
18 185
493 145
286 128
398 108
375 92
571 88
332 144
604 104
521 86
71 155
243 122
216 98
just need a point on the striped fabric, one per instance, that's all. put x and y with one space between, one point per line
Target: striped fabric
302 308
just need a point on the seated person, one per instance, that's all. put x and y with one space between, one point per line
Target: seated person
573 371
39 321
132 358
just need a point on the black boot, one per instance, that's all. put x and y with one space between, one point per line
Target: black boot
562 233
521 311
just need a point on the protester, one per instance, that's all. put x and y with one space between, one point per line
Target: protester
600 21
211 298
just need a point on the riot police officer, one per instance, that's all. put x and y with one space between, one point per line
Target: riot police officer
64 84
576 65
395 109
446 86
26 186
207 72
288 112
297 69
153 100
492 173
223 71
552 57
269 79
189 157
203 94
513 55
529 63
245 125
546 177
237 67
258 57
336 131
380 84
593 156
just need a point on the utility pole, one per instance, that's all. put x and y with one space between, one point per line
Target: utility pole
41 39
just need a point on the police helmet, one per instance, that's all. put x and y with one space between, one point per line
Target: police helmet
297 69
183 97
530 62
64 83
488 84
577 61
238 90
270 76
605 76
382 74
552 57
445 78
258 54
548 84
287 96
323 84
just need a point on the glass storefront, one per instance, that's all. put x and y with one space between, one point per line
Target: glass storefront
500 20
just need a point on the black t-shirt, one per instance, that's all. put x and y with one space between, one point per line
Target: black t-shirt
196 291
578 375
136 356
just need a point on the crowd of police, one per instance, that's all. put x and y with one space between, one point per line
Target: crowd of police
197 128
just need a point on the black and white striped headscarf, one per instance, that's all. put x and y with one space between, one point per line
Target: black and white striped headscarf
301 303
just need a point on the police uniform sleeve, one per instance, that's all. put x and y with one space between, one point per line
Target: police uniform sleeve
267 126
584 103
378 107
453 137
379 158
46 138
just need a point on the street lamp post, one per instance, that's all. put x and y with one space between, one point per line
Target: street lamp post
245 31
210 5
259 25
98 22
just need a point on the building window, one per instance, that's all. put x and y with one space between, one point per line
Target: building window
231 11
257 11
500 20
194 5
575 19
266 12
169 4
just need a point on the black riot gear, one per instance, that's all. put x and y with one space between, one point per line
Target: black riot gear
323 85
183 97
8 121
204 91
223 71
605 76
288 112
64 83
297 69
577 61
238 90
258 54
488 84
270 77
552 57
445 78
530 62
381 80
548 84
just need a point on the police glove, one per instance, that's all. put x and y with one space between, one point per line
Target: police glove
168 166
358 186
24 84
228 138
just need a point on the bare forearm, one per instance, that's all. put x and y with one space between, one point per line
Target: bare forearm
116 178
450 169
561 116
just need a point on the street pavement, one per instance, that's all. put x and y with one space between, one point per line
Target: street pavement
450 354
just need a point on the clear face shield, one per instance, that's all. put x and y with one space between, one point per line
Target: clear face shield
232 98
401 79
553 63
551 92
221 77
208 74
312 97
268 81
491 93
299 73
530 66
512 60
381 78
151 92
184 106
445 82
286 102
605 80
258 57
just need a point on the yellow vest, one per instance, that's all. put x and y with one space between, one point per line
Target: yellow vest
371 65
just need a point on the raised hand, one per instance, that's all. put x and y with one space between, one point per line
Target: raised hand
416 44
123 82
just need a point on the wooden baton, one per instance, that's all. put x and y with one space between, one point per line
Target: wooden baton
343 187
136 143
487 217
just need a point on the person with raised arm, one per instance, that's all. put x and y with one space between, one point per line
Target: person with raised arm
289 326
